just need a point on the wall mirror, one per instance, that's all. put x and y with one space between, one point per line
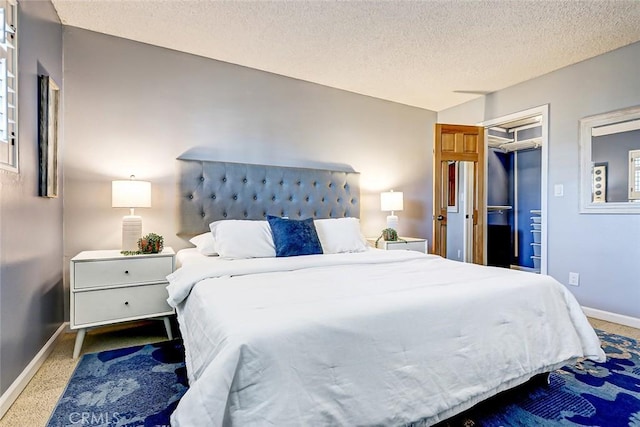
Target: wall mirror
610 162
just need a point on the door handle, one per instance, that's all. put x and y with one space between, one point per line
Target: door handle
439 217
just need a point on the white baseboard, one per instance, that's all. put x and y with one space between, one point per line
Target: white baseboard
621 319
14 390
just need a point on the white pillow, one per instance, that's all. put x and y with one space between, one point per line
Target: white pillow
205 243
237 239
338 235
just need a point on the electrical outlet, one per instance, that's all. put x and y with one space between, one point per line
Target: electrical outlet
459 253
558 190
574 279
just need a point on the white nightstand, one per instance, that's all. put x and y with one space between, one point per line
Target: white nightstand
409 244
108 287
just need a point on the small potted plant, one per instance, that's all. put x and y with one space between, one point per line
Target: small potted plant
389 234
152 243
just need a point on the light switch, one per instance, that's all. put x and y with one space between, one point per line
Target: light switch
558 190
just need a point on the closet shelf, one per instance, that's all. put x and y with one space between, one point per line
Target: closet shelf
523 144
498 208
495 141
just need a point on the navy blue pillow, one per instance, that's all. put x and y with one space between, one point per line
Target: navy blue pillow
294 237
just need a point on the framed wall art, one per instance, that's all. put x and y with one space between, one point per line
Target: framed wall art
49 103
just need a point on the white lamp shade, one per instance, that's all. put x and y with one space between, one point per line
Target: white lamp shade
131 194
391 201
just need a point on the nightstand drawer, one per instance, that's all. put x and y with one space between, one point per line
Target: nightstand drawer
406 246
120 303
122 271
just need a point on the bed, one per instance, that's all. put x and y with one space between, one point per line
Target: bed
352 336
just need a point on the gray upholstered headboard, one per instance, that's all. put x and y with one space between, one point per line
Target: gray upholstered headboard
210 191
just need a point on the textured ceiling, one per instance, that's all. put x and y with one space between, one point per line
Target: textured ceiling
429 54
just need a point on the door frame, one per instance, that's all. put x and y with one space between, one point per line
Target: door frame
543 111
464 143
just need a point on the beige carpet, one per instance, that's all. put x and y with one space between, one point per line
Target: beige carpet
36 402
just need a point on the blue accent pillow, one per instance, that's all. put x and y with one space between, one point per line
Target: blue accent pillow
294 237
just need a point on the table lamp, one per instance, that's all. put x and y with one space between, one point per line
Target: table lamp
391 201
131 194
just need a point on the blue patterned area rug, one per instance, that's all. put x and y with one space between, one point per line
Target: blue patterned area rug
585 394
133 386
141 386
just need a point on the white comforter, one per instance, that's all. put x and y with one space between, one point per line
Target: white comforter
380 337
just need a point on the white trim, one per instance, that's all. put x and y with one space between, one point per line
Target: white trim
620 319
524 127
616 128
14 390
542 111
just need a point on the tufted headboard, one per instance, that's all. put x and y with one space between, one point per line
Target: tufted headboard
210 191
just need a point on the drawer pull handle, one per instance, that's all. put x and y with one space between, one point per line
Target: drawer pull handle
126 272
126 303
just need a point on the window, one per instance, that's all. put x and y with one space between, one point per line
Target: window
8 84
634 175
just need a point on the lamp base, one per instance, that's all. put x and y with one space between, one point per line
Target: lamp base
392 222
131 232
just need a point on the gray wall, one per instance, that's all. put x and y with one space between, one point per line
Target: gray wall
603 248
31 293
132 108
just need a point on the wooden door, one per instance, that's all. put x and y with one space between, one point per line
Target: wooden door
464 144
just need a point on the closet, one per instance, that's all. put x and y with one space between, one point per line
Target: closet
514 188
